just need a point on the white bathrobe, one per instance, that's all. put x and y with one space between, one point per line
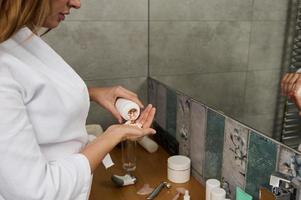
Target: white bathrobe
43 110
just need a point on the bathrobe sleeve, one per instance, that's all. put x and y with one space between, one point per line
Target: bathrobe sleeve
24 172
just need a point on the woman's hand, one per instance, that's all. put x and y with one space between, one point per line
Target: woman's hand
146 117
128 132
98 148
291 87
132 132
289 83
106 97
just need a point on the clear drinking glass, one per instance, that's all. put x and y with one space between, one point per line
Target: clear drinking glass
128 155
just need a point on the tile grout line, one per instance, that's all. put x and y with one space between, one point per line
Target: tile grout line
248 61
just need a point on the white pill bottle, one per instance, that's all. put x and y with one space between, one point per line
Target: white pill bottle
128 109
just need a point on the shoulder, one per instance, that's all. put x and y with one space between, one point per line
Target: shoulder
7 71
8 63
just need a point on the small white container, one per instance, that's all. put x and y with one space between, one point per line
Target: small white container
210 185
178 169
217 194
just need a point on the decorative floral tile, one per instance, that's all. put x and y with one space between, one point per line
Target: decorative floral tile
214 145
286 162
197 136
289 162
171 112
183 124
152 92
161 106
262 156
234 156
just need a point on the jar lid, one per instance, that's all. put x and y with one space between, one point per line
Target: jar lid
178 162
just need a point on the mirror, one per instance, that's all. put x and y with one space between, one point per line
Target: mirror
227 54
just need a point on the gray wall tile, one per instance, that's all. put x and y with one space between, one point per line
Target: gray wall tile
100 116
261 122
198 47
198 37
270 9
105 50
200 10
111 10
261 92
222 91
266 45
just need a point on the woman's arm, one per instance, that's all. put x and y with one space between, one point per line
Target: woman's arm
291 87
25 173
97 150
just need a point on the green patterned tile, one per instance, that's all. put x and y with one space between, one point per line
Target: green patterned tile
214 145
262 156
171 112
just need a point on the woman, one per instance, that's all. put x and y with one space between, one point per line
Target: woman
43 109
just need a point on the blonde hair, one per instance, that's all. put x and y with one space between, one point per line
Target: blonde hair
16 14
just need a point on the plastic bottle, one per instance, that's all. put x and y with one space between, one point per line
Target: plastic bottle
186 195
148 144
129 110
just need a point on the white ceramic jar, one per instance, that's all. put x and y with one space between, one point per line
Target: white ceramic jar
178 169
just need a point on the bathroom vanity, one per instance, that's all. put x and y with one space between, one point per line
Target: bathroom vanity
151 169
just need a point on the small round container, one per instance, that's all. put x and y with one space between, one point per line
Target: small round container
217 194
178 169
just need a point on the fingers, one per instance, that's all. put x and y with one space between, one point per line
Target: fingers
297 100
134 133
295 94
122 92
143 132
288 83
144 114
291 83
147 116
149 120
284 82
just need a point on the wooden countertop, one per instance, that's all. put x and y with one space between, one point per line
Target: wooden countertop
151 169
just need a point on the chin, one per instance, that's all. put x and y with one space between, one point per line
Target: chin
51 25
